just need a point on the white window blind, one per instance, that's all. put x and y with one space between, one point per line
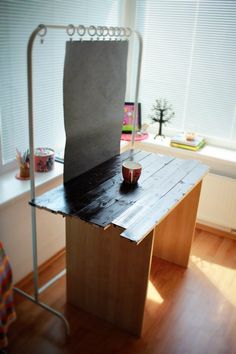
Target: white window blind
190 59
17 21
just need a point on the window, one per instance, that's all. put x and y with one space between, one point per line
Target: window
17 21
189 58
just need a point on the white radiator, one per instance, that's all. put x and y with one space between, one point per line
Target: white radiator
217 205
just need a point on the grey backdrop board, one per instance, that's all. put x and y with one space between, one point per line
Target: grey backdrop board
94 94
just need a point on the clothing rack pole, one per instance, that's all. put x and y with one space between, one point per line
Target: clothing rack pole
41 30
140 41
35 298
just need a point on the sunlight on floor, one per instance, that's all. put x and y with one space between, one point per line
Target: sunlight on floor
223 278
153 294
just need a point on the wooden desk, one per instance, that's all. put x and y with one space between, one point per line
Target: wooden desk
113 229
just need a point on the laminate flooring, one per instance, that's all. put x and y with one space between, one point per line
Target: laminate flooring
188 311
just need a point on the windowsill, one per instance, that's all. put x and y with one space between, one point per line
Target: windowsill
220 160
12 188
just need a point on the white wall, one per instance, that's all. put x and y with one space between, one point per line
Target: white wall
15 221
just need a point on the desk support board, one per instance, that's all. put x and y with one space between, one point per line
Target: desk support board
173 236
107 275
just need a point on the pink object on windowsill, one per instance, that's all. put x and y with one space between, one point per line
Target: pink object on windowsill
138 136
44 159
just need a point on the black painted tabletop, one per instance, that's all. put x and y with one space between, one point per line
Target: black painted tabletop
100 196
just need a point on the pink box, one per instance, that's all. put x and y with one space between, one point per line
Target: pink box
44 159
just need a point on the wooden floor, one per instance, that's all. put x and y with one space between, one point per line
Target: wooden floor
188 311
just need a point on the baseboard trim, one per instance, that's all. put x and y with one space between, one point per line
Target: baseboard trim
24 282
216 230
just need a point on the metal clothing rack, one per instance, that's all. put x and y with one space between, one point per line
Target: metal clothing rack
99 32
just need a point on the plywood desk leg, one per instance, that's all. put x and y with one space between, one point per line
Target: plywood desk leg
173 236
107 275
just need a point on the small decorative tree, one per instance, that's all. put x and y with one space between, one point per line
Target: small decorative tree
162 114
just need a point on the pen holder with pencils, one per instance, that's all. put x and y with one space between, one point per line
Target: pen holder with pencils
24 164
